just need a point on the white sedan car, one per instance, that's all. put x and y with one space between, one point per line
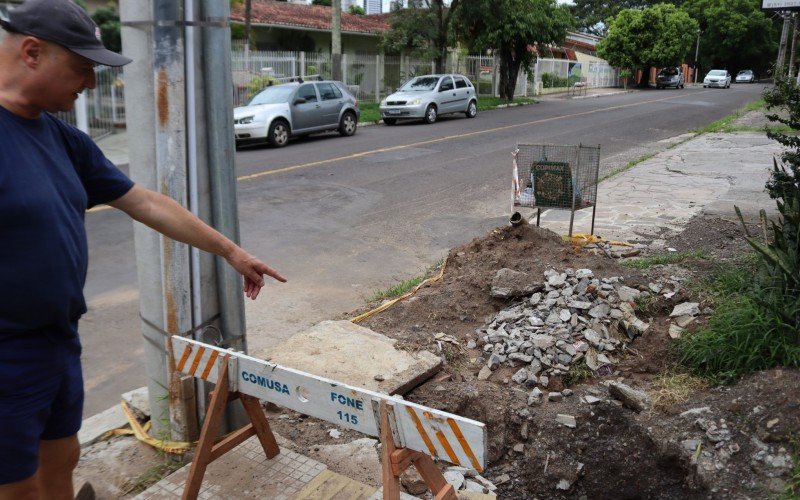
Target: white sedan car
717 78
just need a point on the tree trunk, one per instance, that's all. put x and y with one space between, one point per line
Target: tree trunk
509 69
441 37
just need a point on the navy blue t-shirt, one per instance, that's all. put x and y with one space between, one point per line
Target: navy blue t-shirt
50 173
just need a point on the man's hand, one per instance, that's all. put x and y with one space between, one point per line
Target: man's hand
253 271
166 216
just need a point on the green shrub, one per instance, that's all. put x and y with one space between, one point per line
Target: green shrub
741 337
757 322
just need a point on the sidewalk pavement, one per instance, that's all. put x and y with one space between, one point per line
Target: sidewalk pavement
705 174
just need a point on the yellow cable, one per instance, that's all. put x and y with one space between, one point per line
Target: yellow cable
174 447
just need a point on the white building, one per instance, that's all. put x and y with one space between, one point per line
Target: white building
373 6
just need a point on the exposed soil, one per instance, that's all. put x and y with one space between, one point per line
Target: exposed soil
613 452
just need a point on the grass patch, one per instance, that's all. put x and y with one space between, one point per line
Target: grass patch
370 111
396 290
577 373
660 260
644 303
741 337
675 388
725 124
628 166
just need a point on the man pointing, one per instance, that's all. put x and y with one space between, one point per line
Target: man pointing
50 174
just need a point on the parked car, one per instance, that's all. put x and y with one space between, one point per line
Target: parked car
430 96
745 76
299 108
670 77
717 78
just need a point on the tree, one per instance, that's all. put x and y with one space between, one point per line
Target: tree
326 3
107 19
356 10
592 16
510 28
736 34
658 36
423 29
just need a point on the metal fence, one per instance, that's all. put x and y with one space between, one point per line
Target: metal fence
370 77
101 110
559 75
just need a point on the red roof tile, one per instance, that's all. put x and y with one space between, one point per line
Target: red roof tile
274 13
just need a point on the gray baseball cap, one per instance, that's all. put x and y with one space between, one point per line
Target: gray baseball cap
65 23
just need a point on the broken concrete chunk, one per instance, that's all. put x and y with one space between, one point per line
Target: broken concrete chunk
555 397
485 373
627 294
535 397
684 321
521 376
675 331
687 308
508 283
566 420
455 478
630 397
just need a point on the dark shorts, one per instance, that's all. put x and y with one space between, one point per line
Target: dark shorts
41 397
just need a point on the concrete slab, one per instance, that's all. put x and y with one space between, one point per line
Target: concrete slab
354 355
96 426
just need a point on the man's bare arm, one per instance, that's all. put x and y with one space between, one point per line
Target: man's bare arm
169 218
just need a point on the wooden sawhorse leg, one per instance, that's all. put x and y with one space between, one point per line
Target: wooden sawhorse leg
207 451
396 460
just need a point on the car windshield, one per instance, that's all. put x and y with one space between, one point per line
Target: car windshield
716 72
669 71
421 83
745 72
272 95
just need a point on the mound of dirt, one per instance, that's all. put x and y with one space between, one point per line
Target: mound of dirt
577 441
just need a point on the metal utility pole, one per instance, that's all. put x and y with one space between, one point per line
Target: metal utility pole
794 42
336 39
782 48
696 53
180 138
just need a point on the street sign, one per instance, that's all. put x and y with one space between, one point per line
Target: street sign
780 4
443 435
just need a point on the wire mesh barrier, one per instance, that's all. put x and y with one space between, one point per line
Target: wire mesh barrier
554 176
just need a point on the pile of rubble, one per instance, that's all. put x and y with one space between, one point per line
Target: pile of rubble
571 317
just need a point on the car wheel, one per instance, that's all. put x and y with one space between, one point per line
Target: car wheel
390 121
658 87
278 134
348 124
430 114
472 110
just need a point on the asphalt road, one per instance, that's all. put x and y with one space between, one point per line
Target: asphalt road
344 217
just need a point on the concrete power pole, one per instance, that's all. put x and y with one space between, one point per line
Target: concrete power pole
336 39
782 48
180 134
794 43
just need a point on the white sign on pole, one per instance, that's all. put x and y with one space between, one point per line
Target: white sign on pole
443 435
780 4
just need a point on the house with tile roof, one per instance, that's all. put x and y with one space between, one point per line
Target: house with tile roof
307 28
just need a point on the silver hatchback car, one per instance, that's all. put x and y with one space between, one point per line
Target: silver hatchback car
293 109
429 96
